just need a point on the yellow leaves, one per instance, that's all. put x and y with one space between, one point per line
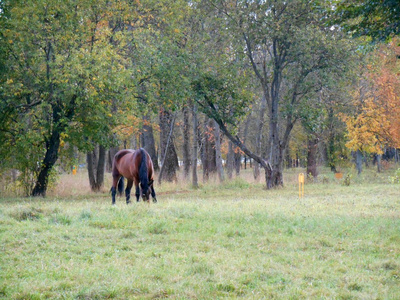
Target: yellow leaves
362 137
63 136
365 129
9 81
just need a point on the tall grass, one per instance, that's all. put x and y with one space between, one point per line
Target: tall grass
234 240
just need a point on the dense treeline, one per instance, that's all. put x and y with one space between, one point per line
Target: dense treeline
274 83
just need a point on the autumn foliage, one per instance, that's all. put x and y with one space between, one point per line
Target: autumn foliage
376 122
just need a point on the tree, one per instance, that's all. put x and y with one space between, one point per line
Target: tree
379 20
312 123
387 90
225 102
321 124
164 77
334 134
58 83
365 126
169 158
374 124
148 141
291 52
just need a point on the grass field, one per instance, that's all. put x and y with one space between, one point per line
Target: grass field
234 240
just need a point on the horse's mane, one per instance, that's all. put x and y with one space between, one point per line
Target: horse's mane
143 172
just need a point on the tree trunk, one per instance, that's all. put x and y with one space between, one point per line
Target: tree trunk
245 134
275 178
276 152
276 148
200 140
288 160
256 171
51 156
218 156
379 162
186 142
230 160
312 147
195 182
53 144
169 158
237 157
96 166
209 162
358 159
330 147
148 141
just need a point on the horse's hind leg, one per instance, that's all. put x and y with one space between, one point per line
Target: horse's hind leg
121 185
114 188
128 191
113 193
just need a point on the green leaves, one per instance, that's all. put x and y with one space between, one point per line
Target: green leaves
64 74
221 98
379 20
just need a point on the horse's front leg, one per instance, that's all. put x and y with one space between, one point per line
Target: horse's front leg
128 191
153 194
137 192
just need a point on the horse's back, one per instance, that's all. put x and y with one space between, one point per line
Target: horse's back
122 163
127 163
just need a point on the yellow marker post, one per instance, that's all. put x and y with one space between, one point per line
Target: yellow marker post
301 185
74 170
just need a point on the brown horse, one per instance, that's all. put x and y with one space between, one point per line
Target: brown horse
137 167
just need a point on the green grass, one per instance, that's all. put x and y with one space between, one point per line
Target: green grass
234 240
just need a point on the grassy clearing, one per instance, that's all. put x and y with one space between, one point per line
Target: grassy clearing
231 241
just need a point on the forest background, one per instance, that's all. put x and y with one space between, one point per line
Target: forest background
211 84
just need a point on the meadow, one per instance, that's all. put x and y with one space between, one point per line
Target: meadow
229 241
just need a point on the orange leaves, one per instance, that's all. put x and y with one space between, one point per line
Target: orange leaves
131 127
377 123
387 83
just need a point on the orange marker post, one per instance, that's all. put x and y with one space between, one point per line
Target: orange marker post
301 185
74 170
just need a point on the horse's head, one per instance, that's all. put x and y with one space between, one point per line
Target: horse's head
145 191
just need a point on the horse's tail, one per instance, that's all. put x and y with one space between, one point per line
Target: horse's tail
121 185
143 171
